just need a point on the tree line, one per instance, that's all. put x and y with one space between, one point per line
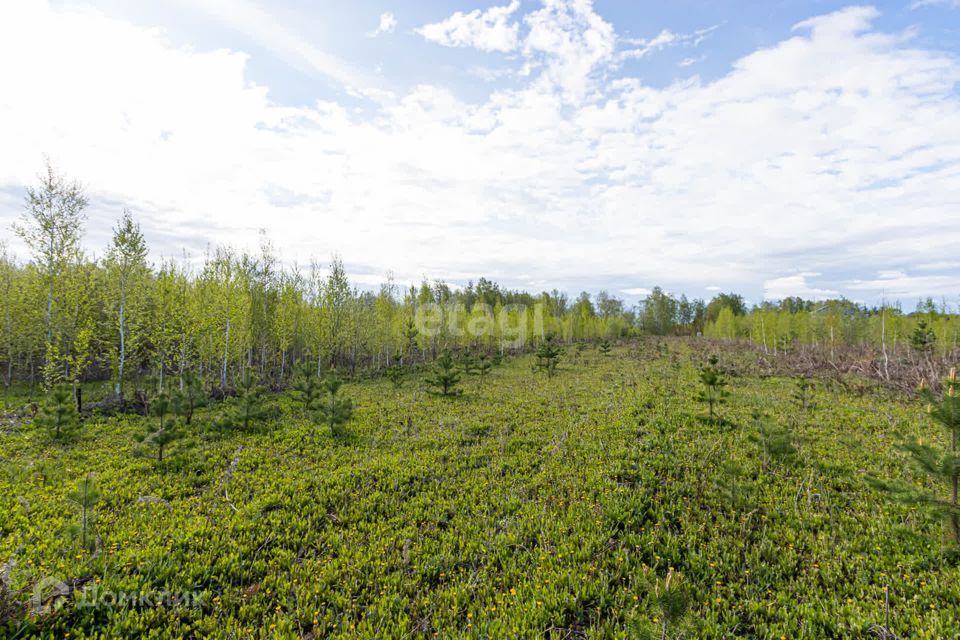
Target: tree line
68 317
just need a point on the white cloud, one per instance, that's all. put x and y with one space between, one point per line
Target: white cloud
570 41
664 39
489 30
796 286
900 285
637 291
833 151
247 17
388 23
917 4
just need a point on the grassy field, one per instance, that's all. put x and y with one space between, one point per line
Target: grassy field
528 507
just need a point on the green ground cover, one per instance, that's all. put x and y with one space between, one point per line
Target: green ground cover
529 506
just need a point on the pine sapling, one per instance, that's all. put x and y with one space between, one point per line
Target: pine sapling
776 442
803 393
85 497
334 410
604 347
167 430
482 367
410 334
713 391
671 600
548 356
395 372
248 407
307 387
923 338
190 397
59 415
942 465
445 376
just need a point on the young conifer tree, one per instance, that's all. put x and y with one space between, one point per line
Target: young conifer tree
167 431
395 372
802 395
776 442
59 415
190 397
940 464
482 367
713 391
248 407
445 376
604 347
85 497
548 356
307 387
333 409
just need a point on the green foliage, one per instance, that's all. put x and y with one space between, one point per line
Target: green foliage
604 347
249 407
923 338
307 387
334 410
671 601
395 372
190 397
713 391
84 499
166 431
940 464
446 375
59 415
803 392
548 356
776 442
481 367
538 509
734 485
410 334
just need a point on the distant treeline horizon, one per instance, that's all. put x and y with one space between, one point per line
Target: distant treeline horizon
68 317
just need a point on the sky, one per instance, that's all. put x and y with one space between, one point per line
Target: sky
776 148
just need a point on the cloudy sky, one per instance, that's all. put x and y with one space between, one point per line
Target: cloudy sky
781 148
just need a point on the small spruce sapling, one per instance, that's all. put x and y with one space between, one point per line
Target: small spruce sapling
307 387
410 334
776 442
468 363
334 410
59 415
671 599
248 407
548 356
713 391
604 347
482 367
167 430
445 376
803 392
395 371
85 497
942 465
734 485
190 397
923 338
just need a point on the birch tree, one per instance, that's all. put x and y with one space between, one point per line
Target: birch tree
126 262
51 227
